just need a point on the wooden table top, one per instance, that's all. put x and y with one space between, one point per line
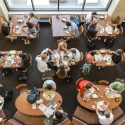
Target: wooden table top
112 102
58 26
14 22
17 61
26 108
103 22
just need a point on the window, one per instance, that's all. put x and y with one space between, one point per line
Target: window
96 4
19 4
45 4
57 5
71 4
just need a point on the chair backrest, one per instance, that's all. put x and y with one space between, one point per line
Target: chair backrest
66 121
21 86
119 80
103 82
117 20
80 79
47 78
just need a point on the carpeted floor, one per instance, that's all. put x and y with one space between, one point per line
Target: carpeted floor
67 91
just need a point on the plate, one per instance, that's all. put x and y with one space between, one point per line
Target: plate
100 29
48 95
17 29
98 57
109 29
102 105
107 59
111 94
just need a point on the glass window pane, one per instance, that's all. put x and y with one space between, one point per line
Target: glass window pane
19 4
45 4
96 4
71 4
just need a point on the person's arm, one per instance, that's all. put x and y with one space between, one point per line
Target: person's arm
95 87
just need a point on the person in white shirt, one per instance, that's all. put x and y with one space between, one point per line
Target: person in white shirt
76 55
49 82
41 63
89 17
105 117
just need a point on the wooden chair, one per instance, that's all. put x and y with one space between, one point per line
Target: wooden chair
117 20
22 88
119 80
103 82
22 119
66 121
47 78
84 117
80 79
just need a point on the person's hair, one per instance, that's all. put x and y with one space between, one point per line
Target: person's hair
73 50
44 55
107 113
29 24
119 26
1 54
68 24
58 115
31 15
62 71
22 55
94 13
119 51
87 86
92 53
49 87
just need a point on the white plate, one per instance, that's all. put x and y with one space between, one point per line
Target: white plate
107 59
109 29
100 29
48 95
98 57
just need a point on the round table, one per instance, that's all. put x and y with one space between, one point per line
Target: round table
26 108
102 97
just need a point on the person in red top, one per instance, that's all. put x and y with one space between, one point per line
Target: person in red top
90 57
85 85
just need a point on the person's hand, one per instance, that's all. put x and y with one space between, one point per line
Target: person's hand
98 89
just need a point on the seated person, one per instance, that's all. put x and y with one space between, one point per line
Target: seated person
32 32
117 28
48 87
62 71
91 30
25 60
49 82
105 117
41 63
5 28
49 53
85 85
76 56
117 56
89 17
58 116
117 87
62 46
90 57
32 19
72 29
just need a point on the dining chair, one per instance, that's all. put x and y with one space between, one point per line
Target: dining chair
22 88
84 117
103 82
119 80
80 79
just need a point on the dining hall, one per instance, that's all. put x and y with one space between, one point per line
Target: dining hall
62 62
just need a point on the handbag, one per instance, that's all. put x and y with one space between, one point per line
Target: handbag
33 96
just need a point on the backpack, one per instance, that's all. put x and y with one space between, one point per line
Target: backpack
76 20
33 96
